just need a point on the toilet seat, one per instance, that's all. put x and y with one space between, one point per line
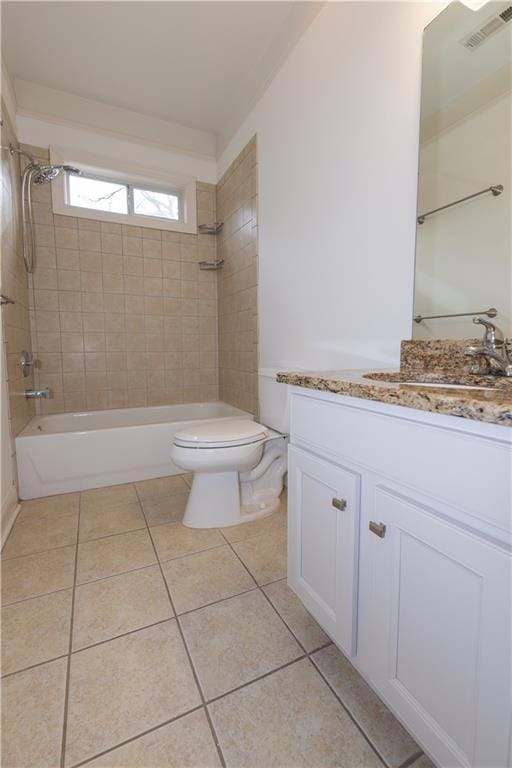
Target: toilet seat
221 434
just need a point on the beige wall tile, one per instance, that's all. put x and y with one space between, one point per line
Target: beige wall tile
115 298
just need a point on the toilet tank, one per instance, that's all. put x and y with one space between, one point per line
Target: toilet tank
274 401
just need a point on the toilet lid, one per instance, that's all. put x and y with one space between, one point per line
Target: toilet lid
220 434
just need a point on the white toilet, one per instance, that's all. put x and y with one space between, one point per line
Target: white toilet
238 467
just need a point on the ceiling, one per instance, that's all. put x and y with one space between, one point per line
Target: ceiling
200 64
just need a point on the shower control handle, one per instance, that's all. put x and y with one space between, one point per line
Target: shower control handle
26 363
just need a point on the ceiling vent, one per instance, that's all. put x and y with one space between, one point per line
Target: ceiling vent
484 31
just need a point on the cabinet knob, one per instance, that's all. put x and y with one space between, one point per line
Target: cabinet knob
379 529
339 503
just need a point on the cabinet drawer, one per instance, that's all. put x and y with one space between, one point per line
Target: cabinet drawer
323 543
413 453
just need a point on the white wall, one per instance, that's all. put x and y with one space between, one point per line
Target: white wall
41 132
463 255
337 158
46 117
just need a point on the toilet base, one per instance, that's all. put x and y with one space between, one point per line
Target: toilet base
214 502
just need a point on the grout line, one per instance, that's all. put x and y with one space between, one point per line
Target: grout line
187 554
34 666
123 634
41 551
183 640
224 695
34 597
70 645
349 713
216 602
137 736
111 535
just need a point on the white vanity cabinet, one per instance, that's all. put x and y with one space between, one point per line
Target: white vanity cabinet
412 577
324 534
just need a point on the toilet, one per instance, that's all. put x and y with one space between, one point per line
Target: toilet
238 467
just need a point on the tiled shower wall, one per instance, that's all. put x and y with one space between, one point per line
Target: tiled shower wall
14 283
122 315
237 244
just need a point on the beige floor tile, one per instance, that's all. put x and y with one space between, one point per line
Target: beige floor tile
35 630
199 579
276 522
186 743
39 531
66 502
113 496
374 718
301 623
168 509
122 688
34 575
111 607
264 556
105 521
289 720
32 716
174 540
235 641
115 554
161 486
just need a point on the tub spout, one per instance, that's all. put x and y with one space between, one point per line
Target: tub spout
32 394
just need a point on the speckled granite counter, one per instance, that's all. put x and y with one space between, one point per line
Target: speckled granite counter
493 405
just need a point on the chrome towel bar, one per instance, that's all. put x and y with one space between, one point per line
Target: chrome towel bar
491 312
496 190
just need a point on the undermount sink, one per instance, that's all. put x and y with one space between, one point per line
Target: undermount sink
435 381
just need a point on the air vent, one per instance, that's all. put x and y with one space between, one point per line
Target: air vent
484 31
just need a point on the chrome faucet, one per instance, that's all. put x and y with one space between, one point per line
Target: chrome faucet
32 394
493 351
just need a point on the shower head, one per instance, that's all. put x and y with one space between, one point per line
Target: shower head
46 173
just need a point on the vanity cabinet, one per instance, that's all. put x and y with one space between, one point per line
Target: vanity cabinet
324 531
412 578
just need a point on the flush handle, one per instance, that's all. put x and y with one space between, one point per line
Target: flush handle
339 504
379 529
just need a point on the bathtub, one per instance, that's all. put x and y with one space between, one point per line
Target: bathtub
68 452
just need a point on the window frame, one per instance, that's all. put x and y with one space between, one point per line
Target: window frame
130 187
134 177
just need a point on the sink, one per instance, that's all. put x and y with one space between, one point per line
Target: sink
436 380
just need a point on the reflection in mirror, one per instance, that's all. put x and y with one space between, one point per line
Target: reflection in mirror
464 251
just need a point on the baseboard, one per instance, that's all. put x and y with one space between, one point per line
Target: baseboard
8 514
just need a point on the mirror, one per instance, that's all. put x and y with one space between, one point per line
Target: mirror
464 250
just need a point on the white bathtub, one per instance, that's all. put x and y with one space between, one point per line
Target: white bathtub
75 451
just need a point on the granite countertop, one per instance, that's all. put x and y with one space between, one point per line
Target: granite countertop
492 405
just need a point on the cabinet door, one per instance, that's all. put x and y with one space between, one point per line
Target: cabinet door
435 614
323 543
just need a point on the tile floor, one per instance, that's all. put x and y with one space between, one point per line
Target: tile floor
130 640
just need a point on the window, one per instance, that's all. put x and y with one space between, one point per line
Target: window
102 195
114 190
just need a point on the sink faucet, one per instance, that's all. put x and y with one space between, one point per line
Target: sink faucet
493 350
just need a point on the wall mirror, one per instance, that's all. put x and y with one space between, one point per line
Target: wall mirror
464 217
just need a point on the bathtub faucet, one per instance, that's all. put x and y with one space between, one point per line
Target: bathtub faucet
30 394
